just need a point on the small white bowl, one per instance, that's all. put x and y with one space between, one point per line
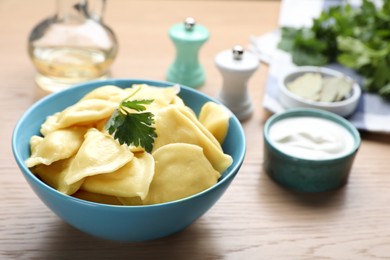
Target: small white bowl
343 108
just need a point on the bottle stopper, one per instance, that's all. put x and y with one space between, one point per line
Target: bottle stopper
236 66
188 37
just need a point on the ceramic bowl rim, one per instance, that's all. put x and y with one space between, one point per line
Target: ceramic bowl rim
28 174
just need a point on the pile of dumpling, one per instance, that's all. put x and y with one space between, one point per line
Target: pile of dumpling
78 157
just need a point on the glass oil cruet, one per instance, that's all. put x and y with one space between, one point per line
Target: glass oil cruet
73 46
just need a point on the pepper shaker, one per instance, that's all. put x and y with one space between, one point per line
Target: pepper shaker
236 67
188 38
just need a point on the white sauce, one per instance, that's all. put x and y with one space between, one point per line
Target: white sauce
311 138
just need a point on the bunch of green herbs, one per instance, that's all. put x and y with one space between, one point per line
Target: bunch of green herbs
357 38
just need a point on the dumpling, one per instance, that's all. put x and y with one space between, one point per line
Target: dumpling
82 113
174 125
50 124
132 201
190 114
86 111
162 97
108 92
216 119
98 154
98 198
54 176
181 170
100 125
55 146
178 101
131 180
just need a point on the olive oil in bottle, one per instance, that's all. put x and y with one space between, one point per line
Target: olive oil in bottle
73 46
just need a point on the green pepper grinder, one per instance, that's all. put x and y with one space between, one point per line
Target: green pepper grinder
187 37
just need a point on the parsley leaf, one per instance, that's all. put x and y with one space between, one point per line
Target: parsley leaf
357 38
137 104
131 127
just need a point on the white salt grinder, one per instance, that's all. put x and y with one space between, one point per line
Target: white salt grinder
236 67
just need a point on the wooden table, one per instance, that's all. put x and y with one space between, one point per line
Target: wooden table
256 218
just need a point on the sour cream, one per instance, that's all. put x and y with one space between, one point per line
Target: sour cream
311 138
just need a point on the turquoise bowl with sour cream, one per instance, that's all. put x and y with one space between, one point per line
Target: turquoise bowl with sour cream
309 150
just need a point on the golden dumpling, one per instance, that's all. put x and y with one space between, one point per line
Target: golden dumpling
132 201
189 113
108 92
50 124
162 97
98 154
98 198
55 146
100 125
181 170
216 119
174 125
131 180
178 101
84 112
54 175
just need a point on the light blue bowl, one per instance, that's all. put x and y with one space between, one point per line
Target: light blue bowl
123 223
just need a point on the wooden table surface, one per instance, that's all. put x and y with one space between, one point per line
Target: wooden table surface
256 218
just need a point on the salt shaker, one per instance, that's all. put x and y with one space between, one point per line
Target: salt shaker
236 67
188 38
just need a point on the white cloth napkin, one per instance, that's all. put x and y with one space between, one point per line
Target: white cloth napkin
372 114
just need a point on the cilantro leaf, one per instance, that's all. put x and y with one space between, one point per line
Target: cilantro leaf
385 92
137 104
133 128
117 119
287 41
357 38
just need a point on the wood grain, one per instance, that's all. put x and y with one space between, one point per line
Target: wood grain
256 218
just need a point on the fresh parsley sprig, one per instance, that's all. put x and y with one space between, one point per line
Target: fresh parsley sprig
355 37
130 125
